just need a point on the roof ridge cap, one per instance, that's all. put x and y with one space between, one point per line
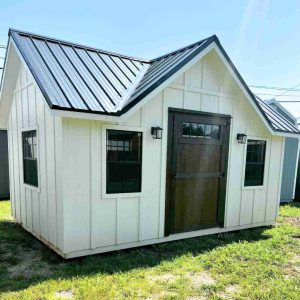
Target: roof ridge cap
68 43
212 37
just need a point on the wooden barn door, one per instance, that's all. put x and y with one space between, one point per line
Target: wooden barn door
196 171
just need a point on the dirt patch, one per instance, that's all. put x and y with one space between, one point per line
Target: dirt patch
229 292
164 277
293 268
28 264
199 279
293 220
162 295
64 294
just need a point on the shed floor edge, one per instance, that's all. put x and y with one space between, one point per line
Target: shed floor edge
173 237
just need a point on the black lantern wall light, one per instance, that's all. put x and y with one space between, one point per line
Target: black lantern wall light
241 138
156 132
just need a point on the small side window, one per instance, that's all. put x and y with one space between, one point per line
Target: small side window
123 161
255 163
30 167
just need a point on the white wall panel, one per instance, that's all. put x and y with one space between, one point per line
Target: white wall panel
127 220
246 207
28 208
104 220
193 76
152 116
259 205
273 191
77 192
210 103
35 202
192 100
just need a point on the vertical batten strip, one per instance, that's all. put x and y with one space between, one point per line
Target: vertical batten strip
280 176
90 185
268 183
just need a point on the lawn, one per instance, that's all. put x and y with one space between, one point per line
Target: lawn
262 263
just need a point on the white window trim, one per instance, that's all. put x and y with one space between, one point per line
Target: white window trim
126 128
266 167
28 186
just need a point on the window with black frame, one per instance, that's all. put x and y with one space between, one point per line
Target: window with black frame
124 161
255 162
30 166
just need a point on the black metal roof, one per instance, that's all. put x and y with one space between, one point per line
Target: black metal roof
79 78
278 122
76 77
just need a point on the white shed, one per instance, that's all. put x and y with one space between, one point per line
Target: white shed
109 152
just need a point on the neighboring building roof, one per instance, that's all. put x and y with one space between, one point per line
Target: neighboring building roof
78 78
282 110
278 122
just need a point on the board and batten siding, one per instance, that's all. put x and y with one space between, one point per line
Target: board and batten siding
93 220
39 210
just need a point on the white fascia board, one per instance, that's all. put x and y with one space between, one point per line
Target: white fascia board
84 115
286 134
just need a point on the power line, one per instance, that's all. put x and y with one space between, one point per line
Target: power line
266 94
273 88
287 90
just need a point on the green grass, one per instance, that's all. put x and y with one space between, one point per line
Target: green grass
262 263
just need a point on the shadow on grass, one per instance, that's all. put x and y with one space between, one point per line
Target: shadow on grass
28 257
291 204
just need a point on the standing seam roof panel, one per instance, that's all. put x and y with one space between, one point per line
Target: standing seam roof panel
61 78
91 83
86 96
276 119
104 80
115 69
120 65
135 66
163 65
114 80
161 71
130 66
40 69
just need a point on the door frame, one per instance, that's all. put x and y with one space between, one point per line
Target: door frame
171 164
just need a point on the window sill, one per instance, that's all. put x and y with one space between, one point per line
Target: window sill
254 187
31 187
121 195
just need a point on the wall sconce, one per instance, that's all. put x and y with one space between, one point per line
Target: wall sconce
156 132
241 138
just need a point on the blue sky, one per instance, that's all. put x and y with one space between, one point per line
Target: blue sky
261 37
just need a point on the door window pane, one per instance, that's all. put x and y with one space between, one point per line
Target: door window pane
199 130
